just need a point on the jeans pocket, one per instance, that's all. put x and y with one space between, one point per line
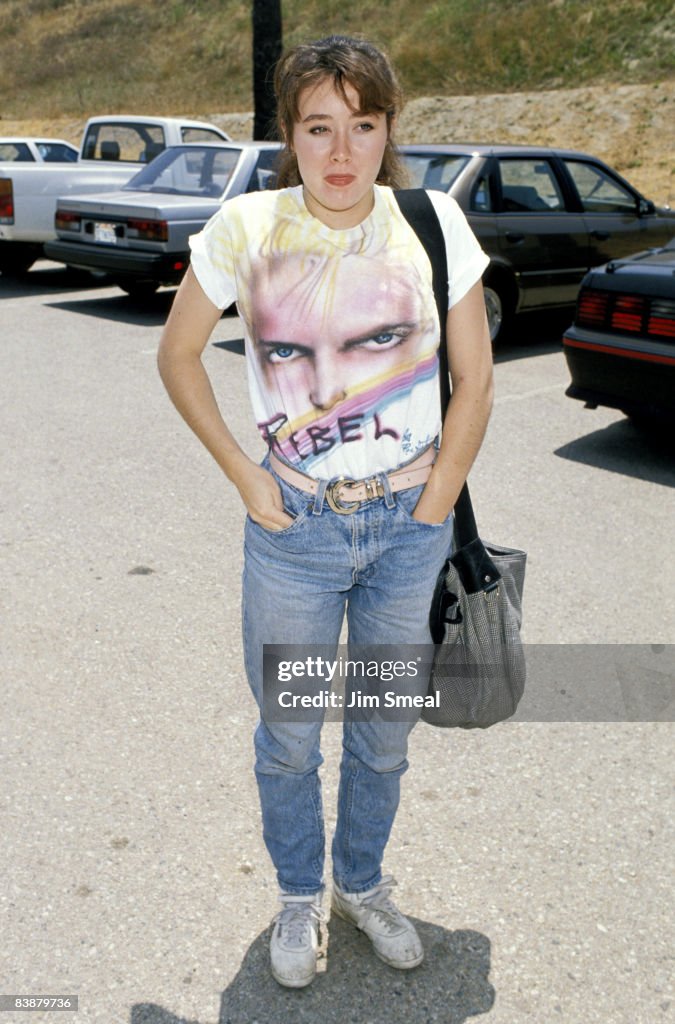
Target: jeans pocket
406 502
297 520
296 503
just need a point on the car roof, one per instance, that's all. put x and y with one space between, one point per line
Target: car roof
10 139
491 149
151 119
225 144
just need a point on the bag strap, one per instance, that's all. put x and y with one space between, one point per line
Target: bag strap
418 210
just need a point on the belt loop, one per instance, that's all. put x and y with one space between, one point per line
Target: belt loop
389 499
317 505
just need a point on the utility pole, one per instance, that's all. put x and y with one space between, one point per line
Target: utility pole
266 52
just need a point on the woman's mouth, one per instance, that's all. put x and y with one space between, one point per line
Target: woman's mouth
340 180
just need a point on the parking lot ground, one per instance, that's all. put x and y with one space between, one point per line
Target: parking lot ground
536 858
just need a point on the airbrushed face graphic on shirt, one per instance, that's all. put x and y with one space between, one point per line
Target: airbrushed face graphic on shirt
339 342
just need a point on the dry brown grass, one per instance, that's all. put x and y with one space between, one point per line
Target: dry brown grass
63 57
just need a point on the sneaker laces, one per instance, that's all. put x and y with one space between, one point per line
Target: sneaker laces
299 913
378 902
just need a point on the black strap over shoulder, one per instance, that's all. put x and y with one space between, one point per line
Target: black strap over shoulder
418 210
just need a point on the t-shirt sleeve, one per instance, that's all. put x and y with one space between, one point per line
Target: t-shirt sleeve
466 259
212 260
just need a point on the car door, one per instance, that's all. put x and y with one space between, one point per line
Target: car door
619 221
539 235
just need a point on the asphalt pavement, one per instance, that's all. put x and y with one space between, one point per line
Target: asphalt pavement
536 858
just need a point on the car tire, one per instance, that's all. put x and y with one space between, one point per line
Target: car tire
499 309
139 289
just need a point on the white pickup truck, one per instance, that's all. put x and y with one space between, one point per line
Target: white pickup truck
112 150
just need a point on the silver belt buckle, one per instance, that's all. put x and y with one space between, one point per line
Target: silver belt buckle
334 501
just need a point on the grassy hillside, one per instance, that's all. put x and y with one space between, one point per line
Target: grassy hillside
76 57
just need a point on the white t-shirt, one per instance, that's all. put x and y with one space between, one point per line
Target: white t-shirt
341 326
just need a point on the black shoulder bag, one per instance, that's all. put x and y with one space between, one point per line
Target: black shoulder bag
478 671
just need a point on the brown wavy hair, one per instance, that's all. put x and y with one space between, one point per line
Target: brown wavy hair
345 61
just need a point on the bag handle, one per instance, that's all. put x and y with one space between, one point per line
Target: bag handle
418 210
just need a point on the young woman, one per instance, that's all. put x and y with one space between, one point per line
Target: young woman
351 509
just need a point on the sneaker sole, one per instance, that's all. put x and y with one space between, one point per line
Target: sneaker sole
400 965
295 983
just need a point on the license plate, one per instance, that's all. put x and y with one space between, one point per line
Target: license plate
105 233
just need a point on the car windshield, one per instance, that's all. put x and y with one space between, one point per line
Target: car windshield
188 170
434 170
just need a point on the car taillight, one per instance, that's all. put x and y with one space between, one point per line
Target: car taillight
148 230
64 220
6 201
662 318
628 313
592 307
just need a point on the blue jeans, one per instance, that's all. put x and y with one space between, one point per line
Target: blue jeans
381 565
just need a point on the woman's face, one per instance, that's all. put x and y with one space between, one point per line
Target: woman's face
339 154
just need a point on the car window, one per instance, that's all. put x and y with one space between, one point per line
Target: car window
529 186
15 151
56 153
135 143
598 191
433 170
192 171
265 173
199 135
480 197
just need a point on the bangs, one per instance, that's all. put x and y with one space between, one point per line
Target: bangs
373 99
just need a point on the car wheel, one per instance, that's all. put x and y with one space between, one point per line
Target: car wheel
139 289
494 308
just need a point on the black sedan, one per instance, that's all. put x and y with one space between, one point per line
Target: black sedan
544 216
621 348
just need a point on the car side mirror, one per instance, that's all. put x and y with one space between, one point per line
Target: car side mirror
646 207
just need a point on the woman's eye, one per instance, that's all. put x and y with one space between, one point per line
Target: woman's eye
366 127
318 129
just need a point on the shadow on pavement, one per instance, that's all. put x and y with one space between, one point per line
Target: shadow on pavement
236 345
534 334
621 447
451 985
50 279
151 311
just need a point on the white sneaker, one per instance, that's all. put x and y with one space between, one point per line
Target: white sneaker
295 939
393 936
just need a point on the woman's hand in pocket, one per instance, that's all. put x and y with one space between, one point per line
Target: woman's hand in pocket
261 494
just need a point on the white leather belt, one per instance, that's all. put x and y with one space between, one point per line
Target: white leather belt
345 495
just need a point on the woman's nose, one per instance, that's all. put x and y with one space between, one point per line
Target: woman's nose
340 151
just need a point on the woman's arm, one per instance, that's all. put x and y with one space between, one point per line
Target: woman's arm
188 328
470 361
